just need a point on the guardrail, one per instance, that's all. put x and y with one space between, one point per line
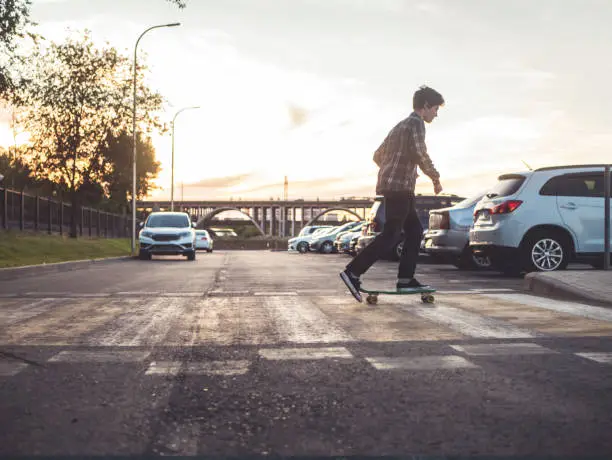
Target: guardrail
21 211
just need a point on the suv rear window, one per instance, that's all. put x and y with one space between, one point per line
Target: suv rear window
174 221
507 185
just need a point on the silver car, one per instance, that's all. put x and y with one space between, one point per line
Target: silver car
448 235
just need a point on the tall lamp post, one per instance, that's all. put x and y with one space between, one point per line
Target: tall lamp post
174 24
172 182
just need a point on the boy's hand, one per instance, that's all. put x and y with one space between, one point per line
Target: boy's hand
437 187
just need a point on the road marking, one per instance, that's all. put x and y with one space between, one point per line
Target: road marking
218 368
299 320
8 369
226 368
603 358
21 311
139 293
576 309
144 324
287 293
471 324
182 294
164 368
494 349
100 356
421 363
305 353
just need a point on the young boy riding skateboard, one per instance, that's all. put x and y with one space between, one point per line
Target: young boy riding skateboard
398 157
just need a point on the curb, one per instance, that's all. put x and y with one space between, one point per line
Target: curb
540 285
12 273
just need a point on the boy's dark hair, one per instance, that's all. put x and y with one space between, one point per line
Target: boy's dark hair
426 95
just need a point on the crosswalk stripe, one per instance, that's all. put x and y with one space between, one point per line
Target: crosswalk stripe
470 324
219 368
61 325
572 308
299 320
602 357
491 349
305 353
422 363
144 324
18 311
99 356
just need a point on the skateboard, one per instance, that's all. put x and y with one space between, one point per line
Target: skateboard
426 294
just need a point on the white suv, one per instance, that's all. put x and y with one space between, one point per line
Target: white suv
167 233
541 220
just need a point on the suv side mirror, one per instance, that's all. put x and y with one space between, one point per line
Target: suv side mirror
140 224
193 225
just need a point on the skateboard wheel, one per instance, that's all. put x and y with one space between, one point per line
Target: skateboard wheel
427 298
372 299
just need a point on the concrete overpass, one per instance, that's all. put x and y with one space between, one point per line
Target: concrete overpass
282 218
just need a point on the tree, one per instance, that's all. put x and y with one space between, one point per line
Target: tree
77 98
14 22
118 177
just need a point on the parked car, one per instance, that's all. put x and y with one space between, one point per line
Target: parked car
167 233
343 239
448 235
204 241
374 225
541 220
301 242
324 242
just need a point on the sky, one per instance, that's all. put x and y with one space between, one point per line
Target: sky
308 89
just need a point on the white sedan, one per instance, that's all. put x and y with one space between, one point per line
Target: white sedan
203 241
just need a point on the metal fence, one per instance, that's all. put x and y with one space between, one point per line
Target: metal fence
21 211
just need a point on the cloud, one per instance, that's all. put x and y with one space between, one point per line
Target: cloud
220 182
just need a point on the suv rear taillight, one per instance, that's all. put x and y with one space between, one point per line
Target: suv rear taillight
506 207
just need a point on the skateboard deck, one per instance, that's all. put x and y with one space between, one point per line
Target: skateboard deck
426 293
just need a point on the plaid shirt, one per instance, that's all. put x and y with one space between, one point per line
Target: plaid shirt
399 155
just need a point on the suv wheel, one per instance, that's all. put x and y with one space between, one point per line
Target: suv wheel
302 247
144 255
546 251
191 255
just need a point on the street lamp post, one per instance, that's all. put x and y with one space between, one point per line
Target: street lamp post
174 24
172 182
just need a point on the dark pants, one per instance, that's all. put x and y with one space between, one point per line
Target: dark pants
400 213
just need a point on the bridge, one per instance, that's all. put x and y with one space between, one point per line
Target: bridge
285 218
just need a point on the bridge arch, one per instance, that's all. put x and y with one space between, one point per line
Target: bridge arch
314 219
213 213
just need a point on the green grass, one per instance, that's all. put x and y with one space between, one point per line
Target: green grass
19 248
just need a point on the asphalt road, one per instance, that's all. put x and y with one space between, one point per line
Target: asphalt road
265 353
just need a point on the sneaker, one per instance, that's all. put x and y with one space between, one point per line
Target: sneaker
412 284
352 283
